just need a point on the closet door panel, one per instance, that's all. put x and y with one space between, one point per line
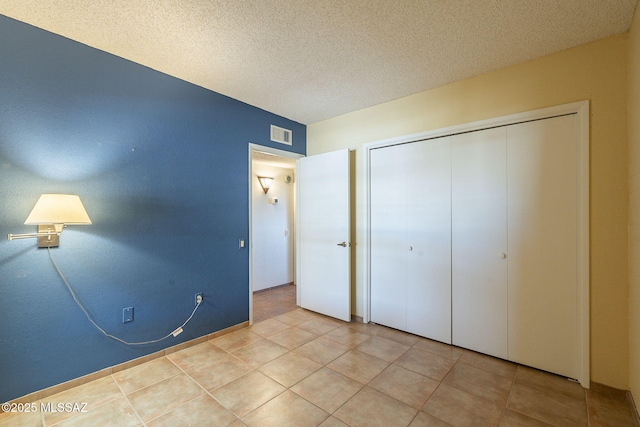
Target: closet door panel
542 173
479 241
428 168
388 237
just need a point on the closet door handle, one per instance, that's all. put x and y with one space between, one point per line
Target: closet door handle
503 255
410 248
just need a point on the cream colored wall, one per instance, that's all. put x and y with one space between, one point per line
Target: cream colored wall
596 72
634 207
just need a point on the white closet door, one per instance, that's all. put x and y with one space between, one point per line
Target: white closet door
428 169
479 241
388 237
543 302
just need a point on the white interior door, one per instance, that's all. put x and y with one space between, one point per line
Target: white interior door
479 241
543 284
388 236
429 239
410 204
324 247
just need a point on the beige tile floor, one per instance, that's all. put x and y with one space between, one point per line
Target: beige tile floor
297 368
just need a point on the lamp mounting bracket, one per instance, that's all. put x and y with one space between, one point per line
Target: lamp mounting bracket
48 236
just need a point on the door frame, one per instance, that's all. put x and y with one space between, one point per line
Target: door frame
581 109
282 153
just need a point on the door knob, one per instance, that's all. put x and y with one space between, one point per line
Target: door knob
410 248
343 244
503 255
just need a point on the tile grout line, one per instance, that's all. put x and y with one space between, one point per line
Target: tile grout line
506 404
210 393
241 347
135 411
288 388
440 382
373 379
79 414
253 369
459 360
182 372
538 388
206 392
259 406
284 391
152 384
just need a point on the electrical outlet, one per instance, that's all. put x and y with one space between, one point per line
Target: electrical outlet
127 314
199 295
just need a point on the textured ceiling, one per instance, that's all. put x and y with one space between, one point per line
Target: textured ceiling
312 60
273 160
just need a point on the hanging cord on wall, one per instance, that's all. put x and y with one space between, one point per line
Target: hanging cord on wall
86 313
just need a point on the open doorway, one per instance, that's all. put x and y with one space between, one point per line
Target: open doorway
271 220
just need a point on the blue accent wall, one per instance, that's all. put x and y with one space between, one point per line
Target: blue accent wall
162 168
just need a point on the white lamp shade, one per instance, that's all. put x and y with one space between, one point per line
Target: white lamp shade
58 209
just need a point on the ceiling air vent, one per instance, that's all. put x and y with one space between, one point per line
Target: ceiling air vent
281 135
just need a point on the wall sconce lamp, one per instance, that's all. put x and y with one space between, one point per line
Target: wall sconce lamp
51 214
265 183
